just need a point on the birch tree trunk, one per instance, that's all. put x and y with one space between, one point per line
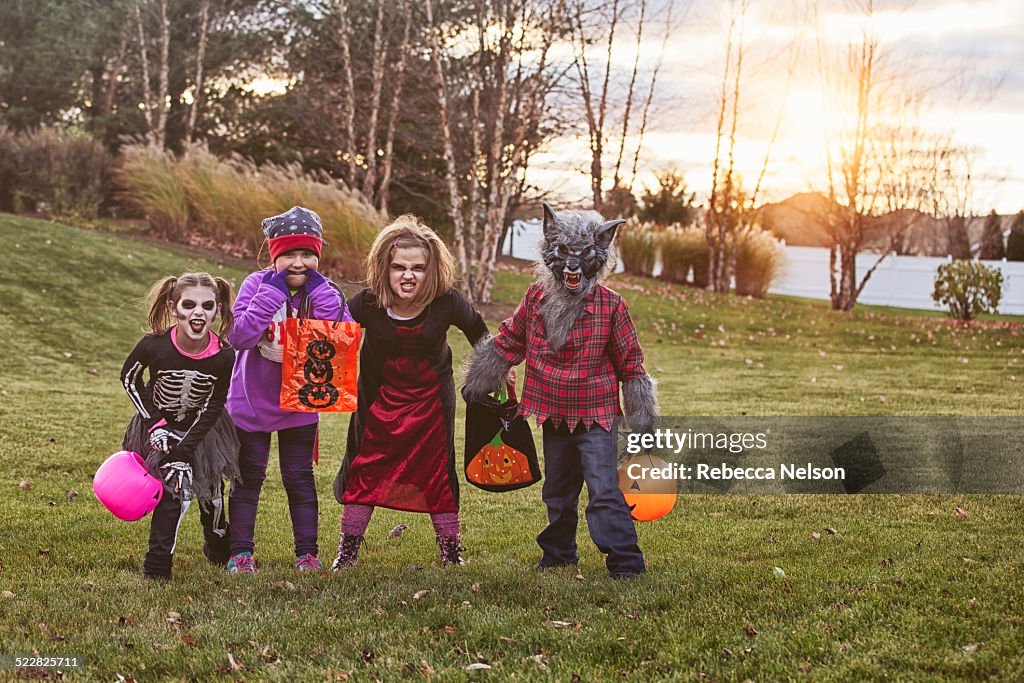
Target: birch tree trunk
204 22
160 136
380 48
147 102
384 188
348 111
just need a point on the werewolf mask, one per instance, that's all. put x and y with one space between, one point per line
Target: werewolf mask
576 247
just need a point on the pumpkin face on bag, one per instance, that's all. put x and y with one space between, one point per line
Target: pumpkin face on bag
497 463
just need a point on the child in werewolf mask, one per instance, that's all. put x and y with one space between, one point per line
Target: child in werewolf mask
180 426
401 440
579 345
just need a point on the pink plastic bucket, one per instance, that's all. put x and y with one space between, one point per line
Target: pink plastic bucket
125 487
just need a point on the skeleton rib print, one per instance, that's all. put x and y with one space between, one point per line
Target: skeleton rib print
182 392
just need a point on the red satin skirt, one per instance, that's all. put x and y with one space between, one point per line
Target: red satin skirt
403 458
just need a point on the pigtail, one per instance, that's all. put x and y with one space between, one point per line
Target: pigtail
159 300
225 296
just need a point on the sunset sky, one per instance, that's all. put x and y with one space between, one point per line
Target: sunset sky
981 43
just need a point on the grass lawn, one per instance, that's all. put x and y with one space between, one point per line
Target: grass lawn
897 588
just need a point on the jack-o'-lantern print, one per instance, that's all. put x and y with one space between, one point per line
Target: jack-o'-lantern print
318 392
320 349
498 463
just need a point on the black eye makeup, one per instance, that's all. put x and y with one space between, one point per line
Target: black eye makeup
209 305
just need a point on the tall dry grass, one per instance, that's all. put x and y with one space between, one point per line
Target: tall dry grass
684 250
638 248
759 260
220 202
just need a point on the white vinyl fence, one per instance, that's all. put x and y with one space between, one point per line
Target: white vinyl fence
900 281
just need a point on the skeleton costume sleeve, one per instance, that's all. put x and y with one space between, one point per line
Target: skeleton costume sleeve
133 383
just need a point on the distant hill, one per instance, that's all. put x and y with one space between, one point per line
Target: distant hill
799 221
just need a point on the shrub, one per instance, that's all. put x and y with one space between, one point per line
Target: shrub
8 168
61 172
220 202
683 250
759 260
638 248
967 288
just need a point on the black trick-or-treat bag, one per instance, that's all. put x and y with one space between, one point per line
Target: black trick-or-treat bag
500 455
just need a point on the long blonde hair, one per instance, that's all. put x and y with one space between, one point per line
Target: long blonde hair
409 231
164 295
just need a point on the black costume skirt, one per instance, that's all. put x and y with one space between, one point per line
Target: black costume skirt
216 456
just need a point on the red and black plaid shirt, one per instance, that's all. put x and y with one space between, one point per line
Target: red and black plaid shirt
580 383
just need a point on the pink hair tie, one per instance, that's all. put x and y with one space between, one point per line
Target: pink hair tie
394 245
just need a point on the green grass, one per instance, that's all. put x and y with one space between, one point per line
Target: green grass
902 590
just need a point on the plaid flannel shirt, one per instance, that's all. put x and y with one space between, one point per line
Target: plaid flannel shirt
580 383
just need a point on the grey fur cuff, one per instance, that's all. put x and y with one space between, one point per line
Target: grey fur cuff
640 397
485 370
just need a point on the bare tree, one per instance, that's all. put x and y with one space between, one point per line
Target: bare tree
156 130
608 102
204 25
496 97
876 159
730 211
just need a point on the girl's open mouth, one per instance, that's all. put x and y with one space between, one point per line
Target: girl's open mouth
197 325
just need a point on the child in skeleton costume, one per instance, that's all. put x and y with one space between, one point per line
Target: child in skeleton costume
291 286
579 344
401 440
180 425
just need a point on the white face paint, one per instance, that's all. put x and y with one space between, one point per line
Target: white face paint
195 312
407 271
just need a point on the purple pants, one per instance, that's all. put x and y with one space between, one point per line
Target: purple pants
295 451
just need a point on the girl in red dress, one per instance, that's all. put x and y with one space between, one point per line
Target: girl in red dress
401 440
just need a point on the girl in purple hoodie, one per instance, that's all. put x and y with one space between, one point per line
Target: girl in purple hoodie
292 286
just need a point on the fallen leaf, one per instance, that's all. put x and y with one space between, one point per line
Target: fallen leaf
25 485
750 630
959 512
421 594
557 624
449 629
174 617
478 666
972 648
830 531
972 602
398 531
189 640
72 494
779 572
235 666
475 587
44 551
815 535
8 594
426 670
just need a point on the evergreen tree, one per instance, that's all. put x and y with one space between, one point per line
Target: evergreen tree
1015 242
992 248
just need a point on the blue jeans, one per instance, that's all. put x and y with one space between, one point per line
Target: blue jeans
570 458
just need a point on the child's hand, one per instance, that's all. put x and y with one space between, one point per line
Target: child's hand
161 439
278 280
178 477
314 279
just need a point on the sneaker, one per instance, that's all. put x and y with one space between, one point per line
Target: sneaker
308 563
450 548
348 549
242 563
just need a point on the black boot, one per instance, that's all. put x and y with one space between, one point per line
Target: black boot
451 550
157 566
348 549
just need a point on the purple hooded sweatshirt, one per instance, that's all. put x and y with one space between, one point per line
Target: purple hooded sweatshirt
254 396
